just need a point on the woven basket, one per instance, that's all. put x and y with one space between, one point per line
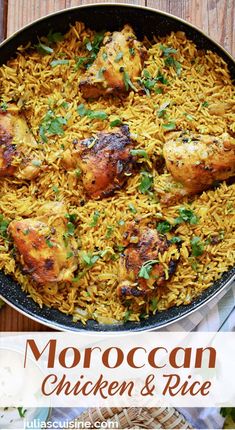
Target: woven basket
133 418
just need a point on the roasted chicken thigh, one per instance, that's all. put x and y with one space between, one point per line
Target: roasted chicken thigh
197 161
14 132
118 65
142 266
44 248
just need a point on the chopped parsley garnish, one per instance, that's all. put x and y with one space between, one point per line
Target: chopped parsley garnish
170 61
153 304
175 239
71 217
70 254
118 57
127 81
162 110
95 218
78 172
54 37
167 50
146 269
132 208
121 222
164 227
149 82
70 228
169 126
44 49
89 259
49 243
189 117
116 123
3 226
139 153
100 74
132 52
119 248
127 315
22 412
3 106
197 246
55 63
92 114
51 125
55 189
80 61
36 163
186 215
205 104
146 182
109 233
93 48
105 56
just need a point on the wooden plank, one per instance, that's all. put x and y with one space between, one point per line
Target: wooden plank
11 320
215 18
3 15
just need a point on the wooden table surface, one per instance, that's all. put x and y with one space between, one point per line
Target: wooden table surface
214 17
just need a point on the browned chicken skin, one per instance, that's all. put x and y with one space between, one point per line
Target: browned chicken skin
105 161
121 57
44 250
14 132
144 244
196 162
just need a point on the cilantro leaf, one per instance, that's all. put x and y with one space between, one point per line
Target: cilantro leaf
116 122
95 218
3 226
99 114
55 63
164 227
169 126
132 208
146 182
162 110
89 259
51 125
186 215
3 106
109 233
92 114
139 153
175 239
153 304
167 50
127 81
44 49
127 315
146 269
118 57
197 246
54 37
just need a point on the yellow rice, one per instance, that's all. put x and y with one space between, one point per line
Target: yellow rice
36 86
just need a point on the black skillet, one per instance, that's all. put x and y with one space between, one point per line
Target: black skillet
147 22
